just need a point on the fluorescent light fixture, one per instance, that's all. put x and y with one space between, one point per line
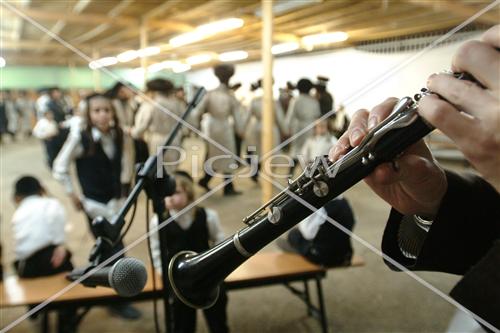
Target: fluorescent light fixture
103 62
148 51
187 38
199 59
206 30
233 56
284 47
2 62
179 68
221 26
127 56
326 38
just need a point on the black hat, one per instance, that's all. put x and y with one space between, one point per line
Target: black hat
160 85
224 71
26 186
322 80
304 85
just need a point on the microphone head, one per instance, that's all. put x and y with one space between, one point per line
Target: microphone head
128 277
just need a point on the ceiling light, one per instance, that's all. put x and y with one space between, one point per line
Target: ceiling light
187 38
206 30
148 51
127 56
221 26
284 47
326 38
103 62
2 62
233 56
199 59
179 68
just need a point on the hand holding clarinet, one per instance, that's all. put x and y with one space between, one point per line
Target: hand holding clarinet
415 183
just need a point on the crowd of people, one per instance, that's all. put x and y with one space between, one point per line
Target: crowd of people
106 134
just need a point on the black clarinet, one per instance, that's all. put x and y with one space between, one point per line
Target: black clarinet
195 278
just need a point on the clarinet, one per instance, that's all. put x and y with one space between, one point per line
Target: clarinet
195 278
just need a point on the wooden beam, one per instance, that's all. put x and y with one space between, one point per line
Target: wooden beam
27 44
84 19
267 101
461 10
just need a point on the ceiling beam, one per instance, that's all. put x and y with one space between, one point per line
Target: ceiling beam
92 19
460 9
26 44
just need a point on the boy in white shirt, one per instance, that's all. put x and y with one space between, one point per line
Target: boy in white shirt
38 225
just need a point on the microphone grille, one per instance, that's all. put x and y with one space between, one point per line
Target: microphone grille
128 277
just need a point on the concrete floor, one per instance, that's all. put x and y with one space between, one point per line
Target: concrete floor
364 299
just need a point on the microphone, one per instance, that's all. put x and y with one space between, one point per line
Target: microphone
127 277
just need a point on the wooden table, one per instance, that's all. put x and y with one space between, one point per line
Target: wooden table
266 268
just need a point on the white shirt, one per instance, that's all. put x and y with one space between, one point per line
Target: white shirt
215 233
309 227
37 223
317 145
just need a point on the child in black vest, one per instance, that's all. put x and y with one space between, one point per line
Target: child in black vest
197 230
103 157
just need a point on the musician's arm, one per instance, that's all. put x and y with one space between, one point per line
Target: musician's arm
464 229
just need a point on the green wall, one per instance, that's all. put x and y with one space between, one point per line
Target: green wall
34 77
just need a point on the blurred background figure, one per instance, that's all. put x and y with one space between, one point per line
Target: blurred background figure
324 98
302 113
221 108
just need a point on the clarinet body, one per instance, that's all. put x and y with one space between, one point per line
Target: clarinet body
195 278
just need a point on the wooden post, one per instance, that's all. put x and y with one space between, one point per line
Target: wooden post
268 102
143 44
72 85
96 73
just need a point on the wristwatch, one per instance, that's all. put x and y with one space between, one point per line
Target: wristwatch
423 222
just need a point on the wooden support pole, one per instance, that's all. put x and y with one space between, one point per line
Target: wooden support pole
268 102
96 73
144 43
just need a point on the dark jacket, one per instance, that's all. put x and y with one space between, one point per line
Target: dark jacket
464 239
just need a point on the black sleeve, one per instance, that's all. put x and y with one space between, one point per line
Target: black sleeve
464 230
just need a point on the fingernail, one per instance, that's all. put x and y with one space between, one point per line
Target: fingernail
372 122
356 135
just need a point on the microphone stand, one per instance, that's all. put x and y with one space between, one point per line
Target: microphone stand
108 234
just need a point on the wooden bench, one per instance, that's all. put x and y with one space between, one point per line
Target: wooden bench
266 268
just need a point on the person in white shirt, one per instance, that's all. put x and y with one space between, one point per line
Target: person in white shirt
253 124
302 112
153 123
38 226
220 110
197 230
319 144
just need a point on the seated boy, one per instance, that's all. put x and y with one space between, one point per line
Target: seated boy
320 241
38 225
